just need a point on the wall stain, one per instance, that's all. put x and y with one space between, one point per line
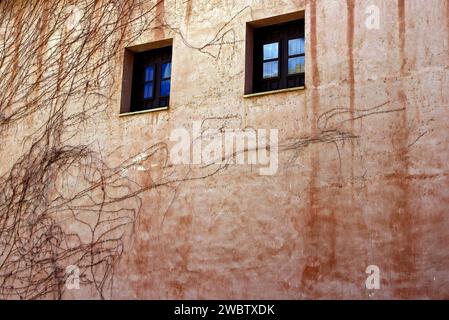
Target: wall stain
312 266
42 42
40 52
189 10
401 223
17 44
124 21
159 32
402 35
350 40
320 222
313 46
447 24
350 4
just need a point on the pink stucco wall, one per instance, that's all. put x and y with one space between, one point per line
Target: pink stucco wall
336 204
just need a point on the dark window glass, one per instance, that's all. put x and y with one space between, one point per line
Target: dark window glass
149 83
296 65
166 79
270 69
296 59
295 46
166 70
279 57
149 73
151 79
148 91
165 88
271 60
271 51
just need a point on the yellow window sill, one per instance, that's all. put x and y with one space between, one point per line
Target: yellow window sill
128 114
260 94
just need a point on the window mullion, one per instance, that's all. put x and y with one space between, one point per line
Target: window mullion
284 60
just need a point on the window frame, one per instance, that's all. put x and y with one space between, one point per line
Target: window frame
279 29
142 60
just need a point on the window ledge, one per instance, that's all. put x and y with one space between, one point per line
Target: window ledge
128 114
260 94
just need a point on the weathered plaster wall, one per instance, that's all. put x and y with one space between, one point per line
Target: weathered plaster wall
311 230
334 207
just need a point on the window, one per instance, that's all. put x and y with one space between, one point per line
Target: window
277 54
151 79
147 77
